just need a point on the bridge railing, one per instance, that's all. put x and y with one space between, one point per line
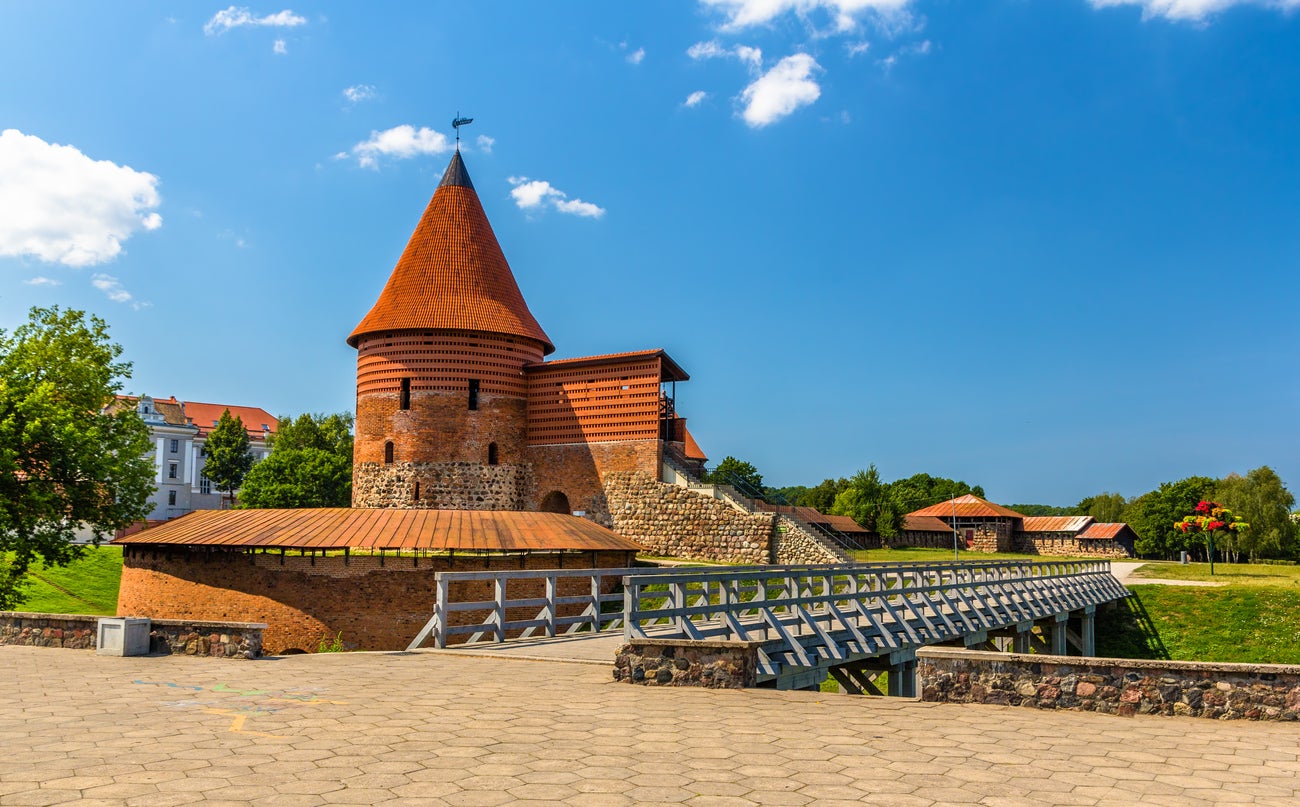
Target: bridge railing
908 598
494 605
810 617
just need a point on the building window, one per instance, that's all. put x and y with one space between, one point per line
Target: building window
173 470
176 446
388 453
473 393
492 453
205 484
171 498
406 394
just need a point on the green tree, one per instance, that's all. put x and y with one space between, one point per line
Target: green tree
1042 510
1153 514
922 490
867 501
228 460
310 465
823 496
1262 500
743 475
1107 508
65 464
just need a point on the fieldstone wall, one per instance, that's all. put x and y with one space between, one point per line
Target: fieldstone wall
673 521
1123 687
441 485
78 632
793 543
1068 544
713 664
73 631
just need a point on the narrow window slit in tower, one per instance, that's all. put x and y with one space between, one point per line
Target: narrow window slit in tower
406 394
388 453
492 453
473 393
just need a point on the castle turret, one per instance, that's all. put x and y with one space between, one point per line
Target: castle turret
441 392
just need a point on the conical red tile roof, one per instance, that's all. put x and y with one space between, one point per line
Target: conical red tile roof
453 274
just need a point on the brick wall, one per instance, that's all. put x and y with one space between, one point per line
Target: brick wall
374 602
577 470
671 520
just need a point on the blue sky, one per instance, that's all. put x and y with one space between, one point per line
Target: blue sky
1045 247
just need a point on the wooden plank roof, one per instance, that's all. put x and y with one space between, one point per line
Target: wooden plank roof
380 528
1055 523
968 506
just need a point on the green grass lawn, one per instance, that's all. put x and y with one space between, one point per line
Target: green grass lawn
85 586
1234 574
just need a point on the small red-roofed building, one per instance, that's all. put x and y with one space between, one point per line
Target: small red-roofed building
178 430
978 525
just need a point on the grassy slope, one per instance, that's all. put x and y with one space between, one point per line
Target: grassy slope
92 581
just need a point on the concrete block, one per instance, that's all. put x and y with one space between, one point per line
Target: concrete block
122 636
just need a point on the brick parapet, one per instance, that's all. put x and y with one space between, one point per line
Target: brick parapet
1124 687
673 521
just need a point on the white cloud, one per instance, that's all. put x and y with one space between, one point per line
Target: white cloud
636 56
113 290
857 48
485 143
695 98
713 49
1195 10
534 194
781 90
280 48
843 15
43 281
60 206
359 92
402 142
240 16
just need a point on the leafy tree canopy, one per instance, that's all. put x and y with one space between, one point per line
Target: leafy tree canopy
1153 514
228 460
310 465
1042 510
923 490
66 464
868 501
743 475
1262 500
1104 507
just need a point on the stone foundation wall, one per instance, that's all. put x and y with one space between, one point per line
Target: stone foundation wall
671 520
78 632
375 602
686 663
794 544
1067 544
442 485
1114 686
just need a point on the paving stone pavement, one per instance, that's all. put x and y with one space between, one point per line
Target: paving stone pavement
438 728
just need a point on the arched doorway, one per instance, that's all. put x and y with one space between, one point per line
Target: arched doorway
555 502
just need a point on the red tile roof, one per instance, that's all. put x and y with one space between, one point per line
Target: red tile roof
968 506
915 523
844 524
206 415
1102 531
691 448
1055 523
453 274
378 528
672 371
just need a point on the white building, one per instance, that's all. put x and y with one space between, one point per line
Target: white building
178 430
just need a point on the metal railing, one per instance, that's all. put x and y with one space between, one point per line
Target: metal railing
820 617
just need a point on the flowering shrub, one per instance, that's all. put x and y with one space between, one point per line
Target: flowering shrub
1209 518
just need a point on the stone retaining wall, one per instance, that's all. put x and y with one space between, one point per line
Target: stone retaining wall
795 544
78 632
673 521
714 664
1114 686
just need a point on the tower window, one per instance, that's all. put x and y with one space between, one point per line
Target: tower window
415 493
473 393
171 498
406 394
492 453
388 453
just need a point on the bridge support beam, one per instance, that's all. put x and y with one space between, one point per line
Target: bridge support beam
1024 635
1087 631
902 673
1060 635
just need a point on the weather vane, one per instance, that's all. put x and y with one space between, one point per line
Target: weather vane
458 122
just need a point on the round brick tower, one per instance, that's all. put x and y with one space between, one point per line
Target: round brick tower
441 395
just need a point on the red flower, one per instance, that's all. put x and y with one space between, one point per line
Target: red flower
1204 506
1214 525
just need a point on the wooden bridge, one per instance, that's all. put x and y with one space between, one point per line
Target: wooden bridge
848 621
